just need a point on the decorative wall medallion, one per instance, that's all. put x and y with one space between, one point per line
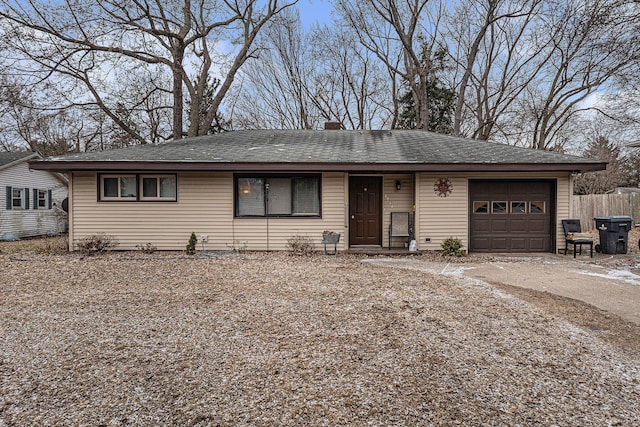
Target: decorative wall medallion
442 187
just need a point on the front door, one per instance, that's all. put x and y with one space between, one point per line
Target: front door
365 210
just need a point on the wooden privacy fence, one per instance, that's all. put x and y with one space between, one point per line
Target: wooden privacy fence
592 205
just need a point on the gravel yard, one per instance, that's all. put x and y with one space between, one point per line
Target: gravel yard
271 339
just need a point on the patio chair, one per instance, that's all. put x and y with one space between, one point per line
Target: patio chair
573 236
400 225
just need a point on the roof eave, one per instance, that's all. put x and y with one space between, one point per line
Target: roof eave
193 166
20 160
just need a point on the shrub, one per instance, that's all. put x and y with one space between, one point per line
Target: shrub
300 245
452 246
238 246
97 243
147 248
191 246
54 246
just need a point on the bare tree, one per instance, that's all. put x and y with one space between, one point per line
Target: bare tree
600 147
490 37
349 86
274 89
86 40
388 28
592 43
299 79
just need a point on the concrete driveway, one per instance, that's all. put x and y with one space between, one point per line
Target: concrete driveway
611 283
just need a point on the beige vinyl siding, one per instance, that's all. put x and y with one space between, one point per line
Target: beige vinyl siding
31 222
396 201
204 206
565 208
443 217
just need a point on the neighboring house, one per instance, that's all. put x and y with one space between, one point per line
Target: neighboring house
259 188
30 200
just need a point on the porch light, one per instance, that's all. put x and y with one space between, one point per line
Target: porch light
398 185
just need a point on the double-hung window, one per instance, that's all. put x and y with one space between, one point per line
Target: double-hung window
43 199
278 196
17 198
137 187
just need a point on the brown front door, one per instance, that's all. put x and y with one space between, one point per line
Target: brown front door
365 210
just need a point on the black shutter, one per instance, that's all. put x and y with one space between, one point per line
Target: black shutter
35 198
9 198
26 198
50 199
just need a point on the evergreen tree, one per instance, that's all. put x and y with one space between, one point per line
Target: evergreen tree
441 107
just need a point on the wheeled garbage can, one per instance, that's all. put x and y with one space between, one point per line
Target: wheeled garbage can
614 233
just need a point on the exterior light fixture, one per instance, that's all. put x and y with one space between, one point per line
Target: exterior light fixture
398 185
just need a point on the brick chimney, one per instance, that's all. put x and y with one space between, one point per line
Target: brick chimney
332 126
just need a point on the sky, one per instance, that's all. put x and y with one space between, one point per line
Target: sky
315 11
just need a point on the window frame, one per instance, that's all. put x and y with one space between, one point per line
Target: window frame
21 197
506 207
157 177
519 202
480 203
535 203
265 178
44 199
138 187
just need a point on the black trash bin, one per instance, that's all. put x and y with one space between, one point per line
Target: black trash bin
614 233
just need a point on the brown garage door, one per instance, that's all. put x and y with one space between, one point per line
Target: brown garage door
511 216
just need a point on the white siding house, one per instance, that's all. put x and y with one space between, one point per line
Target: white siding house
31 201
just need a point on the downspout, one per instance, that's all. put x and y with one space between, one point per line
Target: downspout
413 244
266 210
70 213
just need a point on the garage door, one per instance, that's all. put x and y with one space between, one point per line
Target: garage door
511 216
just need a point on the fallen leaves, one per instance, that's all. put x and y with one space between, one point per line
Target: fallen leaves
269 339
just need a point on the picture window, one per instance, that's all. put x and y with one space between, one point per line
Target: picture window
278 196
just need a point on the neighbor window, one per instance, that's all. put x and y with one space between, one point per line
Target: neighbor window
42 199
278 196
160 187
134 187
17 198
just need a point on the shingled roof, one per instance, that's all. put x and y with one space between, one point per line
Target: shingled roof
7 158
334 150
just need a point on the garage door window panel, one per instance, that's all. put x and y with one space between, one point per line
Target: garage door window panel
499 208
480 207
519 207
537 207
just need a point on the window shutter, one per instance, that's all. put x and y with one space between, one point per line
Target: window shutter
35 198
9 200
26 198
50 199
